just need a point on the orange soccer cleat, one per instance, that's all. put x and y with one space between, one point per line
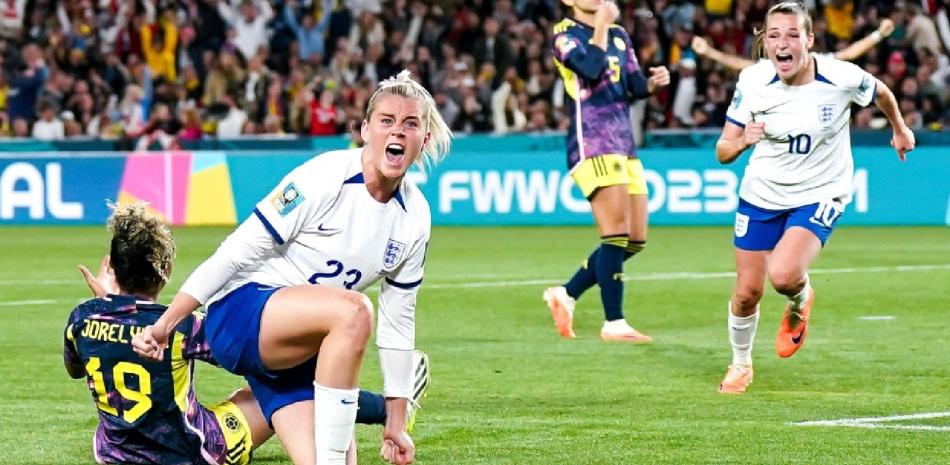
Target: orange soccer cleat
562 310
794 328
737 379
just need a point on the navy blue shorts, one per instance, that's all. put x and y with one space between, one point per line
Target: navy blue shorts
233 329
760 229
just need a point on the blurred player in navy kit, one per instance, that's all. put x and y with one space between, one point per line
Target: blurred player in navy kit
596 60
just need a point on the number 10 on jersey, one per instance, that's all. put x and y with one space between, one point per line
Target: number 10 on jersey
800 144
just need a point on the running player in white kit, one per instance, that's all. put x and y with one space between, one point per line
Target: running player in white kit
283 290
794 108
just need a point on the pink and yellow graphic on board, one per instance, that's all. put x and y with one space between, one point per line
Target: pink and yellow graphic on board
210 196
183 188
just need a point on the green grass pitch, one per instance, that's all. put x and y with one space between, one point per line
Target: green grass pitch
507 390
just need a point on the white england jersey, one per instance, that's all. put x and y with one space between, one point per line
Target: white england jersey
321 226
805 155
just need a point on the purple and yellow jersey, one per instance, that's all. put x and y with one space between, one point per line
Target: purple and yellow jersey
148 413
599 86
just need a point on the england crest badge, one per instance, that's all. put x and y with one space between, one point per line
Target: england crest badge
393 254
826 115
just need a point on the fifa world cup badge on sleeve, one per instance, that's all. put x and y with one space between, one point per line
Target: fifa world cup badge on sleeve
737 99
564 44
287 199
393 254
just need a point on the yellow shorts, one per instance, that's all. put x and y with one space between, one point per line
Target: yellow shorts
610 170
236 431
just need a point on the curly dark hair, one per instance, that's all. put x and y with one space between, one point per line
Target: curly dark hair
142 249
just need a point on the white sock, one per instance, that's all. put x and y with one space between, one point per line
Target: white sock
799 299
334 421
741 336
617 326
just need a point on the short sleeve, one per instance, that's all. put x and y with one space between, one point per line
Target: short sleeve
861 85
295 202
739 112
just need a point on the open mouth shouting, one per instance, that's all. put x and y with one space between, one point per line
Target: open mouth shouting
784 61
395 152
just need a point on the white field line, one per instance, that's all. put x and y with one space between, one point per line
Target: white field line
661 276
882 422
877 317
19 303
39 282
685 275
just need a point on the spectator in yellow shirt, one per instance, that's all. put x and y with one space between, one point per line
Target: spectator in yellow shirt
159 49
840 15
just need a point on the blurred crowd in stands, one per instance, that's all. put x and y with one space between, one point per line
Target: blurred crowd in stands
153 73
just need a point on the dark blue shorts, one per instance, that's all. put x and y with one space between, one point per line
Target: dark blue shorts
760 229
233 329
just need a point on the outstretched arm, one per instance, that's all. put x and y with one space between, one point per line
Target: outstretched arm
290 17
733 62
903 140
861 47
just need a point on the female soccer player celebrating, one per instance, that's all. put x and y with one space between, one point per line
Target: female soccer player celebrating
157 419
794 108
282 294
601 76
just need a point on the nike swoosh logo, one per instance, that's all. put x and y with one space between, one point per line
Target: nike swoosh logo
324 229
798 339
344 402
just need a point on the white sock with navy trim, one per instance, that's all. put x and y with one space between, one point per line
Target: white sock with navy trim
334 420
